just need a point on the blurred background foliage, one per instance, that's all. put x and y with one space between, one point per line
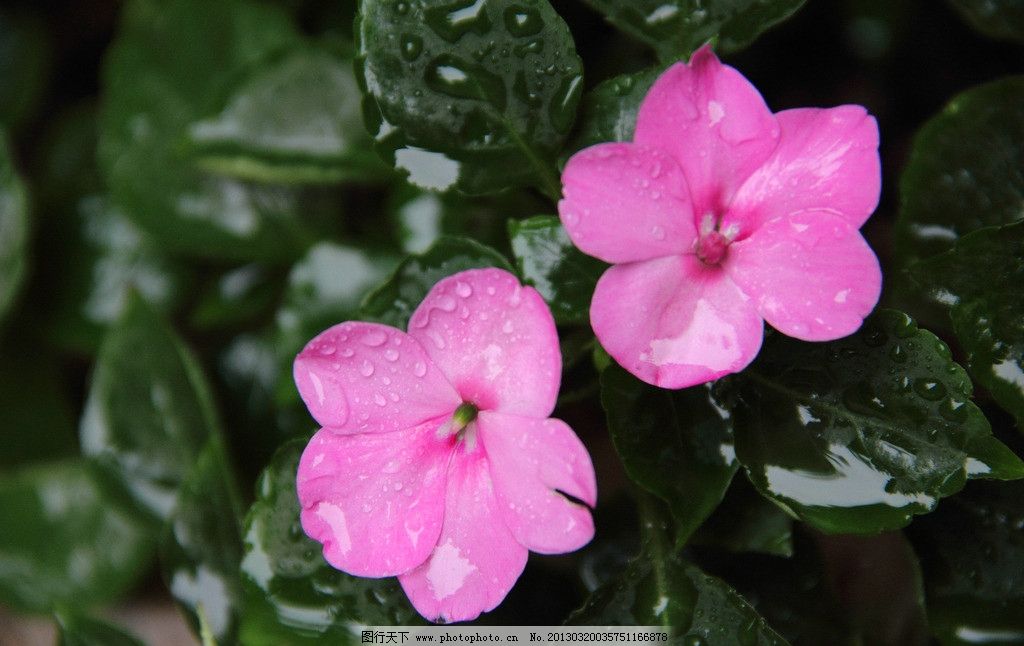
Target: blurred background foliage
190 190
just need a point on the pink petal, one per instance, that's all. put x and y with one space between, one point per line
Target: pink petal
476 561
625 202
673 322
365 377
529 459
811 275
826 159
715 124
493 339
375 500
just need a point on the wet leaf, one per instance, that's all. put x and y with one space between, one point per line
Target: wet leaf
473 94
676 28
746 521
201 547
149 411
608 112
659 588
64 541
972 554
394 302
675 444
1002 19
858 435
987 307
81 630
561 273
189 51
14 227
296 120
964 171
293 596
103 258
236 296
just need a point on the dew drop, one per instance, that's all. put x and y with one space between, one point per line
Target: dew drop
391 354
366 369
446 303
463 290
379 400
420 369
374 338
411 47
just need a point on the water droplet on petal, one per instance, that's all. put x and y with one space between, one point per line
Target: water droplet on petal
463 290
375 338
391 354
366 369
446 303
420 369
379 400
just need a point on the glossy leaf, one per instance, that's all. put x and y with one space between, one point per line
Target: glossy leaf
746 521
292 595
472 94
13 227
293 121
676 444
972 554
394 302
149 411
676 28
561 273
858 435
188 51
101 262
608 112
659 588
64 541
987 307
80 630
237 296
964 171
201 546
1002 19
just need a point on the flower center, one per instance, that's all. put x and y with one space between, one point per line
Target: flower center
713 245
461 427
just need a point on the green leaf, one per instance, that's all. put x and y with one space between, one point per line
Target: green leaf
294 120
103 257
237 296
987 307
746 521
189 52
1002 19
608 112
473 94
661 589
972 554
64 541
858 435
25 61
13 227
676 28
394 302
675 444
964 170
201 547
561 273
80 630
293 596
149 411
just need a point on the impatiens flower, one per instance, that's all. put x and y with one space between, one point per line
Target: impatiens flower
437 461
721 215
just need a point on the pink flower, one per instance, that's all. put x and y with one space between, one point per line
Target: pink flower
437 461
721 214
